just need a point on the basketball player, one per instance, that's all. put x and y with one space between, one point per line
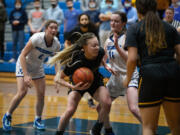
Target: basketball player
117 66
84 53
114 48
156 42
29 69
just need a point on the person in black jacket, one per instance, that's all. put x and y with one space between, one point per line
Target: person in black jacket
84 25
3 18
156 42
18 19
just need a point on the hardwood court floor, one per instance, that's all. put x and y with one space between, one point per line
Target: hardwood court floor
123 122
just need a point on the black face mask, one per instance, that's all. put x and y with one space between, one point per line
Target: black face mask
84 25
70 7
53 5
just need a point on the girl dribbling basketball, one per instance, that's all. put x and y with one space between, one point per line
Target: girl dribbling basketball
84 53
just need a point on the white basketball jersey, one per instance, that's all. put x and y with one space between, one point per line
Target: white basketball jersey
38 54
116 62
40 51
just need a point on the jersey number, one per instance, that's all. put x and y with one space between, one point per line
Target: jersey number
111 54
41 56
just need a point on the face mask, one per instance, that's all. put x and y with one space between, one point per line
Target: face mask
70 7
92 5
84 25
109 5
17 6
53 5
127 5
37 6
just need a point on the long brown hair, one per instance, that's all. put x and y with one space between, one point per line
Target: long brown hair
155 34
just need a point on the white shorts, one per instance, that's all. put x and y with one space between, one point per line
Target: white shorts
35 73
134 80
115 84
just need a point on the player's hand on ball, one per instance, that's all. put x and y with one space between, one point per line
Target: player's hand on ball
81 86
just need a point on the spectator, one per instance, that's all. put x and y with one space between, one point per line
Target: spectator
93 12
130 11
55 13
176 9
162 5
3 18
85 4
169 15
84 26
36 18
17 19
116 4
71 16
104 29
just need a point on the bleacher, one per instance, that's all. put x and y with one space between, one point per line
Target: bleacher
10 67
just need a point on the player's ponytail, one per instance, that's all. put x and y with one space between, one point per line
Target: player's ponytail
155 34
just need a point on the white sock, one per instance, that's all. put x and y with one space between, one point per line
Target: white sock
8 114
37 117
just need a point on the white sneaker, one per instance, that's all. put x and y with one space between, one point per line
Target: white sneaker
1 60
12 60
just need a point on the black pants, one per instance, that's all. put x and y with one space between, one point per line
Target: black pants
2 44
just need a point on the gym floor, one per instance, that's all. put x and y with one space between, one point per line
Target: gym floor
123 122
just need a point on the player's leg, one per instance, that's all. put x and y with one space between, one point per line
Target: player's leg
132 95
150 116
21 92
73 100
103 97
172 113
132 101
40 92
171 104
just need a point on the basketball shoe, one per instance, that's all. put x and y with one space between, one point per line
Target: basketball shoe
38 124
7 122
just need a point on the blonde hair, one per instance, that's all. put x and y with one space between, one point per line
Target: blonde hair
65 57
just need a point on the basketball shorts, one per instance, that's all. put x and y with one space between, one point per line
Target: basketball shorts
115 84
98 81
159 82
35 73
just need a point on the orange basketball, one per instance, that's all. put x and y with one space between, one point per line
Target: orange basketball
83 74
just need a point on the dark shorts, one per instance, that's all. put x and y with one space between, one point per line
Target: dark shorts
95 85
159 82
